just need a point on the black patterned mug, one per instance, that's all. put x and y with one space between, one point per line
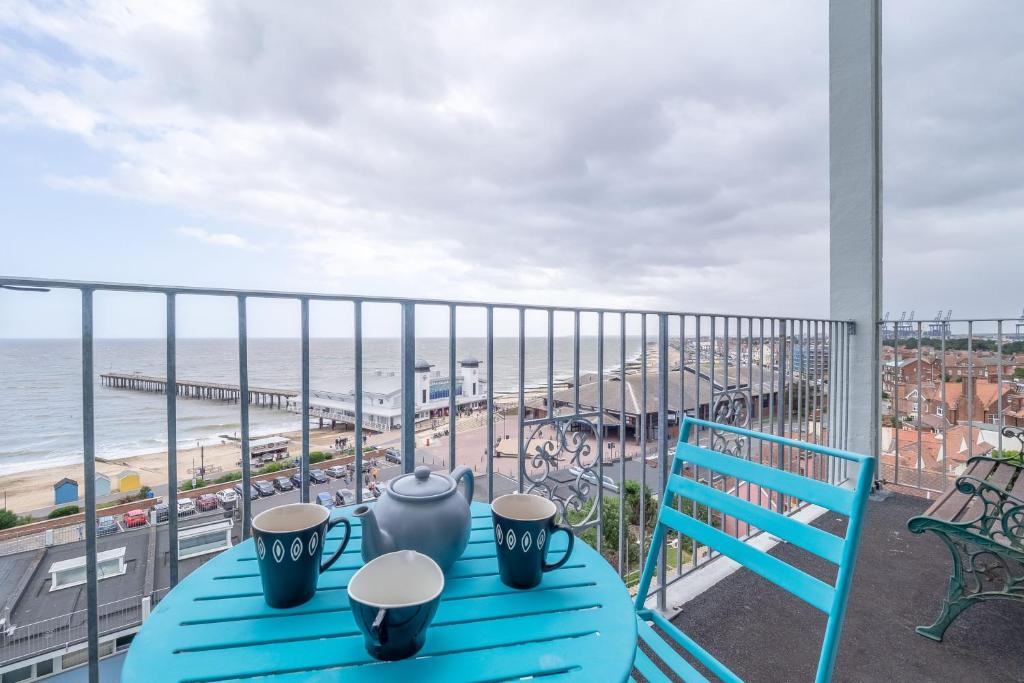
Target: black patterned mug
523 526
289 544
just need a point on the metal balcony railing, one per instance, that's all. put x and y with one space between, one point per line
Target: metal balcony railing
598 443
951 389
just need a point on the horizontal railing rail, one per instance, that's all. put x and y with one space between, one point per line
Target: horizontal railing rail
597 441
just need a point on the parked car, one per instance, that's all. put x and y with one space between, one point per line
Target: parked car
264 488
317 477
254 493
206 502
324 498
296 479
227 498
608 483
186 506
161 512
106 525
393 455
283 484
336 471
344 497
296 462
134 518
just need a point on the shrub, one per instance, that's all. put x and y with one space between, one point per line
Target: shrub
230 476
64 511
317 456
8 519
271 467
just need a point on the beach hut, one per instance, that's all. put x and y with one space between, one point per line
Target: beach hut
128 480
65 491
102 484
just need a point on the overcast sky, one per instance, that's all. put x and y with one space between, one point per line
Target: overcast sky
650 154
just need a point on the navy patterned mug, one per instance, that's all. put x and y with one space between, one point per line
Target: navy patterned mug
289 544
523 526
394 598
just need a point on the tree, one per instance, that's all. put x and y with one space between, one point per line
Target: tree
9 519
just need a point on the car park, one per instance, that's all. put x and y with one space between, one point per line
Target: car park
134 518
227 498
336 471
324 498
254 493
160 510
186 506
317 477
106 525
344 497
207 502
283 484
264 488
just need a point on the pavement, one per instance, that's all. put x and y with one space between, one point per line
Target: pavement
765 634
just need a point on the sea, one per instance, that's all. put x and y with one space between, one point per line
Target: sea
41 386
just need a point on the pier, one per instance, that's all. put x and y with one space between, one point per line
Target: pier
258 396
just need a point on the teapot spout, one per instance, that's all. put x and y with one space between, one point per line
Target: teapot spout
376 541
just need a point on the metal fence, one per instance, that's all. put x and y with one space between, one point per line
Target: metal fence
581 445
951 389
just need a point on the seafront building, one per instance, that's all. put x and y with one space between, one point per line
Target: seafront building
382 397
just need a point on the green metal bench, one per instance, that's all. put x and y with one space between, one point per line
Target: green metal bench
981 521
841 551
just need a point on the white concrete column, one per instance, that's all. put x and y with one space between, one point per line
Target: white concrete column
855 231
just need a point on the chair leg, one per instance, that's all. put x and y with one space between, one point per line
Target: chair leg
978 575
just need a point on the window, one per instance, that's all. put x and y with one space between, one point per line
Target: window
22 674
44 667
67 573
204 539
940 411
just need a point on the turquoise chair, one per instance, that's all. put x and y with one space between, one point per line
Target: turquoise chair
840 551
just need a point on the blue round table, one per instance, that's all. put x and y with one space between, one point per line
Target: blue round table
578 624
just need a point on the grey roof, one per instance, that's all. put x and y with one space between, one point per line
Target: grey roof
422 364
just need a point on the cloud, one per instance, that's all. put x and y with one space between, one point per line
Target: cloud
664 154
218 239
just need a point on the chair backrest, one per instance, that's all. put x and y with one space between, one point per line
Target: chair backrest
841 551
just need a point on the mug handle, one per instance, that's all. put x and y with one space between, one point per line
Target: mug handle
568 551
377 630
337 553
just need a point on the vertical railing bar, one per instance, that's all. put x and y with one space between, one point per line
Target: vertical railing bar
711 406
801 387
408 373
642 418
760 384
698 371
600 432
357 370
304 464
89 467
551 364
784 391
576 361
452 407
897 371
490 403
846 400
999 394
662 441
171 360
623 560
521 371
243 411
920 402
680 416
945 407
970 387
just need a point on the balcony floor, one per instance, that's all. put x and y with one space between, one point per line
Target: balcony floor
764 634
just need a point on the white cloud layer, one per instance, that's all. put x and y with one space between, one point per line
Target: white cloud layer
650 154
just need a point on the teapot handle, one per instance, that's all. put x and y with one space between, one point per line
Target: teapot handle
464 472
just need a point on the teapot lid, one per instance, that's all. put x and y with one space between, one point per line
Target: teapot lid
422 484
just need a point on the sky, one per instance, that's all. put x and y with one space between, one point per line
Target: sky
666 155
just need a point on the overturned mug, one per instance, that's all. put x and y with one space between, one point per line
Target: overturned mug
289 544
394 598
523 526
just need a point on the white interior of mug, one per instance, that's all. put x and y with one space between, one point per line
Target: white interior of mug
399 579
524 507
291 517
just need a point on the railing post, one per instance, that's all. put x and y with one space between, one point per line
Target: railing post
243 405
89 466
663 436
357 324
408 386
304 464
172 442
